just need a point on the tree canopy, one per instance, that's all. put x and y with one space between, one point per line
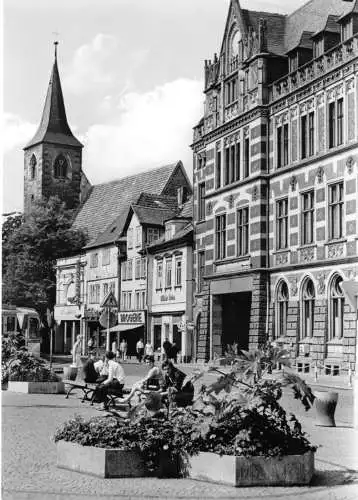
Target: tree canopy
30 251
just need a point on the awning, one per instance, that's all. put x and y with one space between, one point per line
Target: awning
123 327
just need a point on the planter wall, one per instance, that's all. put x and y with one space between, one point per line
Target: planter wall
253 471
102 462
37 387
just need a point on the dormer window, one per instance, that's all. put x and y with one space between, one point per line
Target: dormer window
318 47
33 164
61 167
347 29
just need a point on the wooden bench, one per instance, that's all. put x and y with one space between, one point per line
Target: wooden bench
89 388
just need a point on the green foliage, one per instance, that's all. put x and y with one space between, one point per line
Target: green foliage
30 251
238 414
18 364
9 225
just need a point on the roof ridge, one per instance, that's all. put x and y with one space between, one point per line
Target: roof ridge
136 175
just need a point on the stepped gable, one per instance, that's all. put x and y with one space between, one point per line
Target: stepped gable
105 211
54 127
313 17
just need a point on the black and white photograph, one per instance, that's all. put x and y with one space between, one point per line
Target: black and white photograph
179 249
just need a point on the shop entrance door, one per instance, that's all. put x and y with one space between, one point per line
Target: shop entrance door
236 309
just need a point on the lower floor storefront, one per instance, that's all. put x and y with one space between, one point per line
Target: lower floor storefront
302 310
173 327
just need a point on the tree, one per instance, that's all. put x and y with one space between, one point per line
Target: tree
11 223
30 252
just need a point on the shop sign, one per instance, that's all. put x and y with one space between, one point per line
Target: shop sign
131 317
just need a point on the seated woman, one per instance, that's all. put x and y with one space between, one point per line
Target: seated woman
89 371
114 381
174 382
152 381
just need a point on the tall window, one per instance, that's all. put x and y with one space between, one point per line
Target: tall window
237 163
218 170
137 268
152 234
178 272
308 302
201 201
33 167
246 157
143 267
303 136
129 269
282 224
220 236
201 270
335 210
105 289
282 146
168 273
106 254
281 309
159 280
307 218
130 238
94 291
311 133
94 260
335 119
242 231
336 298
227 167
138 236
60 167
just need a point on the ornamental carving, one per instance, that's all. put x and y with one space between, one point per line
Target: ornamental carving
293 286
246 131
293 112
231 201
349 84
254 193
218 145
293 183
320 173
281 258
351 273
335 250
321 283
350 163
209 208
307 254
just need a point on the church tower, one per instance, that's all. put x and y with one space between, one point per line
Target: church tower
53 157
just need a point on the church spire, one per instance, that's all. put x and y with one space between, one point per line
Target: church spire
53 127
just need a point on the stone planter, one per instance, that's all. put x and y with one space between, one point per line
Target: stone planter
325 403
253 471
37 387
70 372
102 462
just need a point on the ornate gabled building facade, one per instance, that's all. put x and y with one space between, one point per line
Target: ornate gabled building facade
53 157
275 185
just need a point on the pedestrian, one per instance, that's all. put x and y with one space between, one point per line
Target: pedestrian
140 350
173 352
90 344
123 349
166 348
148 349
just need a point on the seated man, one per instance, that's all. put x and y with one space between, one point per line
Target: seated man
152 381
174 382
101 367
114 381
89 371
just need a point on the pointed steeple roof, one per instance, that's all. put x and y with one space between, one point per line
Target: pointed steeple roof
53 126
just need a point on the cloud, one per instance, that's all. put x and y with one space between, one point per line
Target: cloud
150 129
16 131
91 65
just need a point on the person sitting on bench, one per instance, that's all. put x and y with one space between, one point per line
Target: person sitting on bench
90 374
114 381
174 382
152 381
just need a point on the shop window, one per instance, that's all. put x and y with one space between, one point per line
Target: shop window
308 304
336 306
281 309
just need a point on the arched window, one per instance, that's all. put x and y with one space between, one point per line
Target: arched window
33 163
61 167
308 302
281 309
336 308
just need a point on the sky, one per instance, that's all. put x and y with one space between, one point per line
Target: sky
131 73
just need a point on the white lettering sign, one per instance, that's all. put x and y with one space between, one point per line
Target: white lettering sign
131 317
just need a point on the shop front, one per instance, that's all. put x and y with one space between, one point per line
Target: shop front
174 328
68 326
131 327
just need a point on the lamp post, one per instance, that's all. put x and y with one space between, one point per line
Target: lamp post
49 317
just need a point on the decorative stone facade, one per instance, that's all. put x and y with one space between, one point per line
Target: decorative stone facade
276 167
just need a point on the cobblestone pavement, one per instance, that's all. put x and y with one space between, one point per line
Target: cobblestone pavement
30 472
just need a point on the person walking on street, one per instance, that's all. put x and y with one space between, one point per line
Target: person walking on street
148 349
140 350
123 349
167 347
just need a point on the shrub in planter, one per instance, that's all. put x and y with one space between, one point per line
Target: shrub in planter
239 414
